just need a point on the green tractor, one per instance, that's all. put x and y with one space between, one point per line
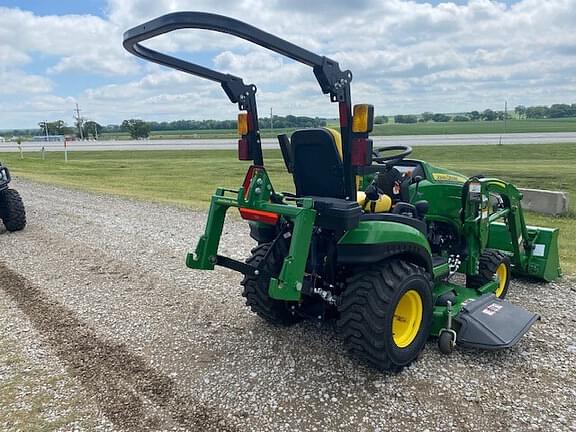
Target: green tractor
369 238
12 211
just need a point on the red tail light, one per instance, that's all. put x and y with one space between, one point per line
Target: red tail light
259 216
243 149
361 151
343 111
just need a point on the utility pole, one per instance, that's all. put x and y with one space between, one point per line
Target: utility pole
505 114
271 119
46 129
95 131
79 121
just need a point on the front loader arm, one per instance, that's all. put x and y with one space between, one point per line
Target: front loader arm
478 220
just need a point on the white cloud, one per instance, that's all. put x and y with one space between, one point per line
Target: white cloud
406 56
82 43
15 82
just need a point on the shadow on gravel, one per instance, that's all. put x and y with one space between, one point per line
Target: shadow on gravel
121 382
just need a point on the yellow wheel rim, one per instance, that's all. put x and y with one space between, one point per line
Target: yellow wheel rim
407 319
502 276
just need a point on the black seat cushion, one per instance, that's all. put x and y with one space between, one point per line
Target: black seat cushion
391 217
317 167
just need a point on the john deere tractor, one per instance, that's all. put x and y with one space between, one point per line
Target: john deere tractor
12 211
370 238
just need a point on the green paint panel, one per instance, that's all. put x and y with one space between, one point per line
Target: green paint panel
381 232
440 313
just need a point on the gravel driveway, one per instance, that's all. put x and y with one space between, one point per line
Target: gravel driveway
103 328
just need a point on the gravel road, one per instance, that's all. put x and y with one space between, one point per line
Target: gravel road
103 328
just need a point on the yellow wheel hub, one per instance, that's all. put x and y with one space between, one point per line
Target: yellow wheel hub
502 275
407 319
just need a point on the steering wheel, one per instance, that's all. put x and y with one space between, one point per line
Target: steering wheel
378 158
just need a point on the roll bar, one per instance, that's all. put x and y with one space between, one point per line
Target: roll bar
331 78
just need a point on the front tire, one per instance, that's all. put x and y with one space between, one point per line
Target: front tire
386 313
12 210
493 264
277 312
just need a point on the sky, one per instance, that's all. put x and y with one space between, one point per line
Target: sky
405 56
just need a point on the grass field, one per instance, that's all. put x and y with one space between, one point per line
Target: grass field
478 127
470 127
190 177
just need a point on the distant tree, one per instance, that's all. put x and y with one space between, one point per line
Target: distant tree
560 110
401 118
474 115
57 127
460 118
489 115
381 119
537 112
520 111
440 118
427 116
92 129
137 128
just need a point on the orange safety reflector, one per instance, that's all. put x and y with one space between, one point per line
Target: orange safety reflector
243 124
259 216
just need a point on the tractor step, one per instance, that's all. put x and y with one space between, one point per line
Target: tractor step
492 323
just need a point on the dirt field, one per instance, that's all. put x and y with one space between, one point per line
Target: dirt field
103 328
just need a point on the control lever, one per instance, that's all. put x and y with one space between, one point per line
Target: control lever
372 191
417 180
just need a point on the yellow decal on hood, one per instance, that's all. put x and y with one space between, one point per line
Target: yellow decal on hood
449 177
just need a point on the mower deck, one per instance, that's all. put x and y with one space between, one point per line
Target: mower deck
492 323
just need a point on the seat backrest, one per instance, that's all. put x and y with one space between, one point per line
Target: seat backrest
317 163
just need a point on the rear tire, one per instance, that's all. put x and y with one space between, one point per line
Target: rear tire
493 264
386 313
12 210
255 290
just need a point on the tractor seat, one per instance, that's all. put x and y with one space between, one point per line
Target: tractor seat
317 163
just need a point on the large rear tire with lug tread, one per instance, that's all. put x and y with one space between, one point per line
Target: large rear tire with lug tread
493 264
12 210
386 313
277 312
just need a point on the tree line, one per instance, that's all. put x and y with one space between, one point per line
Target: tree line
138 128
521 111
541 112
141 129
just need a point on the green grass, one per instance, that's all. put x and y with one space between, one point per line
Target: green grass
477 127
470 127
190 177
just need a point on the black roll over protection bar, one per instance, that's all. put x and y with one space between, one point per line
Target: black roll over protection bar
331 78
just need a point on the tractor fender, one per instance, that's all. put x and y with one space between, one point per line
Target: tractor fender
374 241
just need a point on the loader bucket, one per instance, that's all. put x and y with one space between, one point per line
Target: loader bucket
543 263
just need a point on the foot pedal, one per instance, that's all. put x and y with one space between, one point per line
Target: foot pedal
492 323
